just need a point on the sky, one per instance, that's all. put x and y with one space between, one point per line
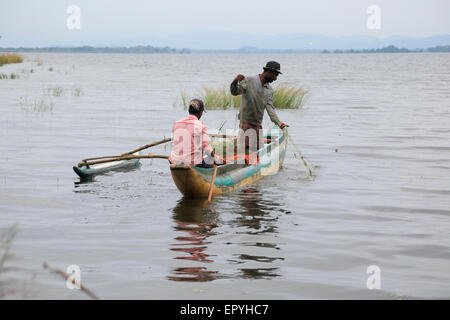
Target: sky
132 22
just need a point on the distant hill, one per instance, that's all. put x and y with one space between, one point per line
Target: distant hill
440 49
226 41
249 49
209 40
392 49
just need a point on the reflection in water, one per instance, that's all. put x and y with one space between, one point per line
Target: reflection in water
193 274
260 273
256 216
195 221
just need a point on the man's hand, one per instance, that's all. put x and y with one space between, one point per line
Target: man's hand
218 161
282 124
238 78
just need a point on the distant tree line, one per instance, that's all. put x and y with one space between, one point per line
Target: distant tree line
392 49
90 49
151 49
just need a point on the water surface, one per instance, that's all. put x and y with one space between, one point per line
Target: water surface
375 130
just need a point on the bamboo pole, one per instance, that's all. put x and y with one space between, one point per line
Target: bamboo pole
121 158
131 152
148 146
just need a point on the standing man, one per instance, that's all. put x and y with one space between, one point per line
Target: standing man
257 95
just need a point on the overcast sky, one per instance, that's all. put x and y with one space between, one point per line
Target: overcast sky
107 22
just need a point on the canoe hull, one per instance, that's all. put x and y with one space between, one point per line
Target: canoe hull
194 182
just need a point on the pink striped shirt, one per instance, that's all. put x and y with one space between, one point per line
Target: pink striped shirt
190 141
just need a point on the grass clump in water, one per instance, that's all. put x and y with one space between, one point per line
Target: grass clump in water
12 287
55 91
77 92
214 99
10 58
287 97
284 97
36 105
220 99
11 76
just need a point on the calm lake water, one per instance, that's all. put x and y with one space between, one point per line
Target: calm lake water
375 131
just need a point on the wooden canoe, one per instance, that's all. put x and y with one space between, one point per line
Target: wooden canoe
195 182
88 172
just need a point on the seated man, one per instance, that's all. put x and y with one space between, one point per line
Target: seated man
191 141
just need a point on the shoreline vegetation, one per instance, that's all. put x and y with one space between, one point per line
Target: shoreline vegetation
243 50
90 49
392 49
10 58
284 97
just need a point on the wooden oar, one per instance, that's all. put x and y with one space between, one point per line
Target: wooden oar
212 182
131 152
121 158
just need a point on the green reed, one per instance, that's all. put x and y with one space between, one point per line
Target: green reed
285 97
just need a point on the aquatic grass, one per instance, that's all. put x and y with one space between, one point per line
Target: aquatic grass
38 61
184 99
6 238
11 76
36 105
285 97
57 91
77 92
220 99
214 99
27 71
10 286
10 58
53 91
288 97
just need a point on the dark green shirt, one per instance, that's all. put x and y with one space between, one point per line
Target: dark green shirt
255 98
